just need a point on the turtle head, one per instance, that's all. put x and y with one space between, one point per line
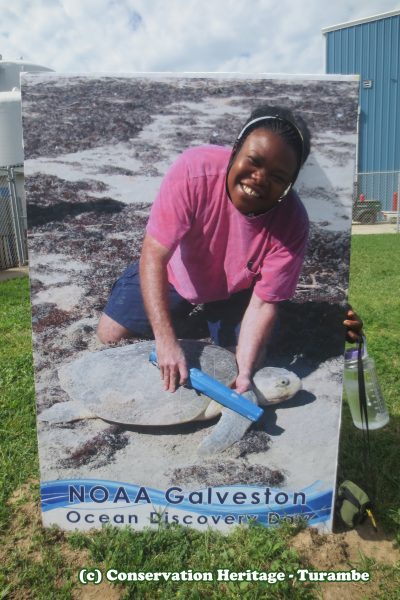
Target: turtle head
273 385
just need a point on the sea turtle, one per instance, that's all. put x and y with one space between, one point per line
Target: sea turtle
121 385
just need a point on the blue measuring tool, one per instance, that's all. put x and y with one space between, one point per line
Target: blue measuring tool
219 392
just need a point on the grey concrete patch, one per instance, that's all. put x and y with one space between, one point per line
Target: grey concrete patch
14 273
371 229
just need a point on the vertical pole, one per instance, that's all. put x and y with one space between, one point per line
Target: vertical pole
16 218
398 207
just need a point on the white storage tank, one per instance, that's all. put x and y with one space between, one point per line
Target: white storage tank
13 250
10 71
11 152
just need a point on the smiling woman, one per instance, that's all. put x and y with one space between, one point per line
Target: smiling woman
261 173
270 151
227 231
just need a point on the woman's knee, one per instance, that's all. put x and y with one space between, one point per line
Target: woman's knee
110 332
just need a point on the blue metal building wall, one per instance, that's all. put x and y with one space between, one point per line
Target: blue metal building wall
372 50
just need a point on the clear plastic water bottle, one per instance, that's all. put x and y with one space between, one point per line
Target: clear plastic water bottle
378 415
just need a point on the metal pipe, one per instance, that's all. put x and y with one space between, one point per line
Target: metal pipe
16 218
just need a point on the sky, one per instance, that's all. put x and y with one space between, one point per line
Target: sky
123 36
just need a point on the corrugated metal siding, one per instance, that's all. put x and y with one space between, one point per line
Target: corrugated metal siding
372 50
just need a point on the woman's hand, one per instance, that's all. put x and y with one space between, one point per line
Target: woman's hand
353 325
172 363
242 384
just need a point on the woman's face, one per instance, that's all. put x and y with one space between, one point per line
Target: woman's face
261 172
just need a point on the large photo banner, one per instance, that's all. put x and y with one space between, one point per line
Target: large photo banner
189 242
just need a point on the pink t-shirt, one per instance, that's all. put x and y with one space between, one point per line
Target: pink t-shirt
217 251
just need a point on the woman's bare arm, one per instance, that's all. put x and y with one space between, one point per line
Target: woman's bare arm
154 285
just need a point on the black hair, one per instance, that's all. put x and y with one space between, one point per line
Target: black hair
292 128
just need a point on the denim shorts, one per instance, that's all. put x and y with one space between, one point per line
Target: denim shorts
125 306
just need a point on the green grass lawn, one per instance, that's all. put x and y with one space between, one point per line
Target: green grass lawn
46 571
18 445
374 293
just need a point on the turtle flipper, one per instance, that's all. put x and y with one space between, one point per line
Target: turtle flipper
230 429
65 412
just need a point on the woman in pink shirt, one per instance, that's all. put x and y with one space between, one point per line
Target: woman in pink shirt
227 231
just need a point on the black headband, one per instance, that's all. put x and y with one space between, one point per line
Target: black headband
283 120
